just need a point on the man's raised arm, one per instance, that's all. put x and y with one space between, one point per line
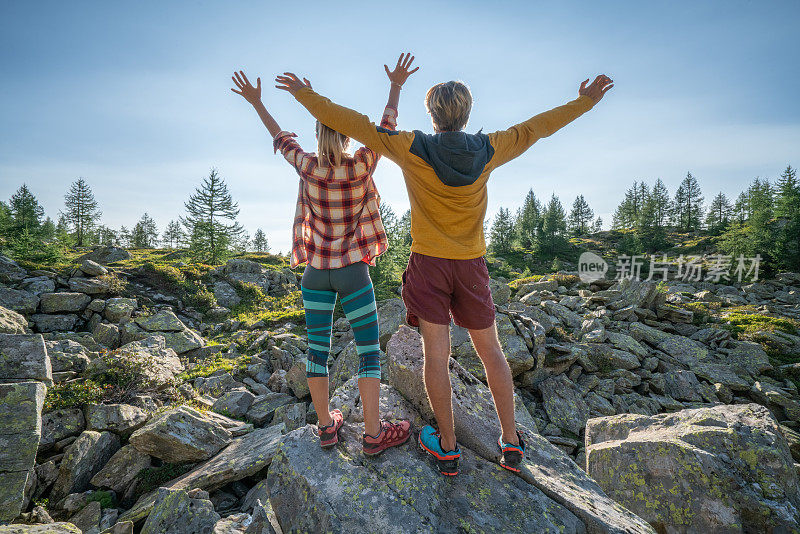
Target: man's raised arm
392 144
510 143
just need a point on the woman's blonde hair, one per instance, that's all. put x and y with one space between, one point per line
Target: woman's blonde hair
330 144
449 104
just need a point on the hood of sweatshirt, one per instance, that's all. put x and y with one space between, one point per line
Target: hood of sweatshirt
457 158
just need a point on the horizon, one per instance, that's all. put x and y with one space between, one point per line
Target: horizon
135 97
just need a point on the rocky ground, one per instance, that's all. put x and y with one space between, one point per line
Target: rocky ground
129 404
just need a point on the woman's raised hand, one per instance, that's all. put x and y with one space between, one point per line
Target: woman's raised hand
401 73
290 82
246 89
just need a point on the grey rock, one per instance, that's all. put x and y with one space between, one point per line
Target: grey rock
68 355
118 418
726 468
52 528
11 322
92 268
106 254
293 415
84 458
234 403
118 308
107 335
60 424
18 300
750 357
64 302
682 385
24 357
175 512
181 435
121 469
263 407
226 294
564 404
88 517
90 286
163 321
55 323
391 315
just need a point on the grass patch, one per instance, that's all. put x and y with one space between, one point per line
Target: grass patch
273 310
516 284
748 324
187 283
214 365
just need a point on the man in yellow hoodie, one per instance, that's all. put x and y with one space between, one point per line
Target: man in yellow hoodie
446 174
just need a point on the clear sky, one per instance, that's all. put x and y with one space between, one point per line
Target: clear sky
134 96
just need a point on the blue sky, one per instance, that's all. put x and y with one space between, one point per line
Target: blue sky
134 96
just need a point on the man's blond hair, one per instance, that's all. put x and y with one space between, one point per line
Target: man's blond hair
449 104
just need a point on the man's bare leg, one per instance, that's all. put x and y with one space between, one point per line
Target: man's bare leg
498 375
436 347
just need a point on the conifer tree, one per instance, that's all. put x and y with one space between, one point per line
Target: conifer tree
260 241
580 217
145 233
26 212
529 221
719 214
173 235
80 210
210 221
501 236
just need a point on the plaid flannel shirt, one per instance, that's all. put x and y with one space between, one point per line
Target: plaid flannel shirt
336 222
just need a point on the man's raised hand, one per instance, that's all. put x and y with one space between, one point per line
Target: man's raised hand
401 73
598 88
290 82
246 89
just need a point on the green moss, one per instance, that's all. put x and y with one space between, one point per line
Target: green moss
742 322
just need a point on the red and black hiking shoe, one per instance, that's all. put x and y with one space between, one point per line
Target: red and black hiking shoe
329 435
512 454
391 435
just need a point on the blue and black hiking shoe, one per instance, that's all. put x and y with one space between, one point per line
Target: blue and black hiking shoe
512 454
431 442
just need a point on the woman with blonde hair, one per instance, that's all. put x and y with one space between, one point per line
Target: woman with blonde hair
338 233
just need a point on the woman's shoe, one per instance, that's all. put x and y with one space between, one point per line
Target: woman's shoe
446 461
391 435
329 435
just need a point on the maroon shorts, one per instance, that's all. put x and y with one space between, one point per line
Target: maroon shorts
436 288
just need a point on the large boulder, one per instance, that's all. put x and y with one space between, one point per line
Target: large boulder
682 349
749 357
106 254
722 469
85 457
244 457
121 469
12 322
92 268
178 512
10 271
24 357
314 491
158 363
545 466
68 355
50 528
19 300
181 341
391 314
60 424
163 321
181 435
64 302
55 323
225 294
90 286
564 404
118 418
118 308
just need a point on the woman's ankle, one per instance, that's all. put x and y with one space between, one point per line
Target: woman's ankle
373 429
323 423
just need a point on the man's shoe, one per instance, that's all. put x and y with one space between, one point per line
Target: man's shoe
391 435
512 454
431 442
329 435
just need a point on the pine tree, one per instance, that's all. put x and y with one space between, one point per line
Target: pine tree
62 230
405 227
627 213
106 236
650 236
260 241
661 204
81 210
741 209
173 235
48 230
501 235
529 221
688 205
124 237
208 209
145 233
757 234
719 214
787 210
580 216
597 226
26 212
552 241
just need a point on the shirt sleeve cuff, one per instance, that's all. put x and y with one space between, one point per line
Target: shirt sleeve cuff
280 137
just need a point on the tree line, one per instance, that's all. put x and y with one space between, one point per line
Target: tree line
764 219
208 229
